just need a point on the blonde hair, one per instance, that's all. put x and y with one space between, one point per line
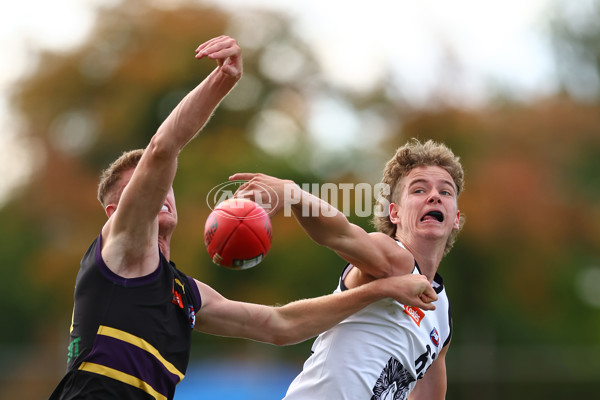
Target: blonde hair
412 155
112 175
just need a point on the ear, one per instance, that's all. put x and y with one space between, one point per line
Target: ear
394 218
456 225
110 209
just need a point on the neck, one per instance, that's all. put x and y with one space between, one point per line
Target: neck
164 245
428 254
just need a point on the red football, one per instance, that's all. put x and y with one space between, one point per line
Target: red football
237 234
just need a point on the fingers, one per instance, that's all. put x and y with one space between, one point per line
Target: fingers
425 306
429 294
220 48
244 191
425 300
415 290
243 176
226 52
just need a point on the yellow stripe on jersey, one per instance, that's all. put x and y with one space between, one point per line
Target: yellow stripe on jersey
122 377
141 343
72 320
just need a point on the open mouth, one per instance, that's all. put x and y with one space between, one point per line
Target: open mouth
165 208
433 215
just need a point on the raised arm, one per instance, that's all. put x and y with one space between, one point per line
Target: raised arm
375 254
136 217
303 319
155 173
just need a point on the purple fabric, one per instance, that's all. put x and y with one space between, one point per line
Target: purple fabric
196 293
132 360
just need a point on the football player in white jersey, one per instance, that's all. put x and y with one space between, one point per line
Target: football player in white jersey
387 350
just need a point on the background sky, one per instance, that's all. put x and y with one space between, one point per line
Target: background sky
491 42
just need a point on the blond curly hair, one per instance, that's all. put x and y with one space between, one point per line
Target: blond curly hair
412 155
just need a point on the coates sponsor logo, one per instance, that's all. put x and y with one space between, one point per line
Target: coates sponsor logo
415 313
435 337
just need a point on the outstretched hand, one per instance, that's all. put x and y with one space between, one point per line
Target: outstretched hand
413 290
226 52
268 191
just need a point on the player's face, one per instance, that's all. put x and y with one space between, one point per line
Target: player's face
426 205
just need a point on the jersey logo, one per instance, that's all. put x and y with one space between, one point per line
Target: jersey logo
415 313
435 337
176 297
73 349
393 383
177 281
192 316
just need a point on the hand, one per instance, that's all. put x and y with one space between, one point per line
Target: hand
413 290
227 53
270 192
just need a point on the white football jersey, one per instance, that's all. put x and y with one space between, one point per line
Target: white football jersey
377 353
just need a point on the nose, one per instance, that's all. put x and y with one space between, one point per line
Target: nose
434 198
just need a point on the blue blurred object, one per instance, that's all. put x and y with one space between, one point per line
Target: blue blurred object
234 379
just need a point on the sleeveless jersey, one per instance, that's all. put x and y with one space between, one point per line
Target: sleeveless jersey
130 338
376 353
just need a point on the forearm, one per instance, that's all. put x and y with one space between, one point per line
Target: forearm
329 227
194 111
304 319
324 223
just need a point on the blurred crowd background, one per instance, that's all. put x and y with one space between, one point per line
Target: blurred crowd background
523 278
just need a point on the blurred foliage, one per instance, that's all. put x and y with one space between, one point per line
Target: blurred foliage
517 276
575 36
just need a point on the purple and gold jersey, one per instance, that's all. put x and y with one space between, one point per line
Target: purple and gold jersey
130 338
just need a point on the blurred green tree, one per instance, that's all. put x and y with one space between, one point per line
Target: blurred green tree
575 38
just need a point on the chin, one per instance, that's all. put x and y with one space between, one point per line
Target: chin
436 234
166 223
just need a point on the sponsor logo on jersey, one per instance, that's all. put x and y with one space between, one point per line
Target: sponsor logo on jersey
73 349
435 337
177 281
176 297
192 316
415 313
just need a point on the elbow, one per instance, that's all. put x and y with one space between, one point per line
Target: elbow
286 333
280 341
284 338
160 148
